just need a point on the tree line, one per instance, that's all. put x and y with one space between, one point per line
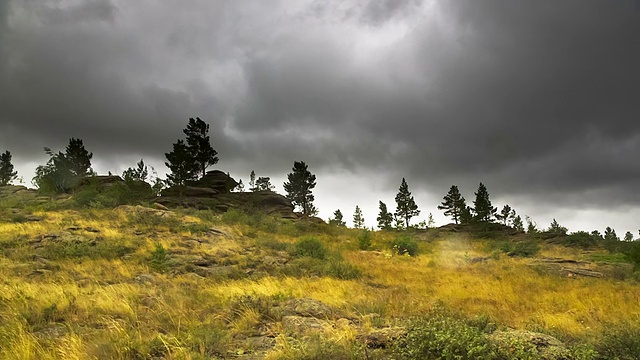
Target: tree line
192 156
188 161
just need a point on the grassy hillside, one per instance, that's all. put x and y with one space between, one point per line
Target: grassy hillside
135 283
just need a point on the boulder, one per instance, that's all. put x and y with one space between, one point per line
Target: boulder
301 325
216 180
307 307
382 338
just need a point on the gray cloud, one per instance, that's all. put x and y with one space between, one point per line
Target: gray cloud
536 99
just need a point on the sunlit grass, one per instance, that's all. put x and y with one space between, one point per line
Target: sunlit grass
106 311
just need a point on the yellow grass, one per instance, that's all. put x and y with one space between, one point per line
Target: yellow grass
107 313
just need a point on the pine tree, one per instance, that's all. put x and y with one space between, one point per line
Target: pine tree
179 162
337 219
628 236
240 186
252 181
482 205
610 234
78 158
406 206
7 175
466 216
385 218
299 188
516 223
358 219
505 214
453 204
140 173
532 227
556 228
199 146
430 221
264 184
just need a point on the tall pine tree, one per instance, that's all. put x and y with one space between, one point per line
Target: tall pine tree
406 206
385 218
180 164
482 205
7 175
358 219
78 158
199 146
299 188
453 204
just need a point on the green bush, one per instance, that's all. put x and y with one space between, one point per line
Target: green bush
404 245
235 216
342 270
364 240
581 239
159 259
520 249
312 247
443 336
620 341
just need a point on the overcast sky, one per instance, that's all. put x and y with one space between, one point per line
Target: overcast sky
539 100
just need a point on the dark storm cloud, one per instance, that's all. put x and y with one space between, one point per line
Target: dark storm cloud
534 98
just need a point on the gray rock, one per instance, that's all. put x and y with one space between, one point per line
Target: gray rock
302 325
382 338
307 307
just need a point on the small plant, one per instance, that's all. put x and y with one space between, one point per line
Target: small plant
404 245
364 240
311 247
159 259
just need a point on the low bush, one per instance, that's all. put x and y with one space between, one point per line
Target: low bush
620 341
582 240
440 335
519 249
312 247
404 245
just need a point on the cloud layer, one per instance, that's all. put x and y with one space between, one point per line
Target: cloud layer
538 99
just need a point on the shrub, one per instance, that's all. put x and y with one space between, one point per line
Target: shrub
342 270
364 240
311 247
159 259
521 248
235 216
443 336
620 341
404 244
581 239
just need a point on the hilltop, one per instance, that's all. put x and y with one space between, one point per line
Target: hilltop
149 282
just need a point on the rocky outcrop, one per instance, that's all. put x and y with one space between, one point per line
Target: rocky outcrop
264 201
189 191
101 181
216 180
129 209
18 190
